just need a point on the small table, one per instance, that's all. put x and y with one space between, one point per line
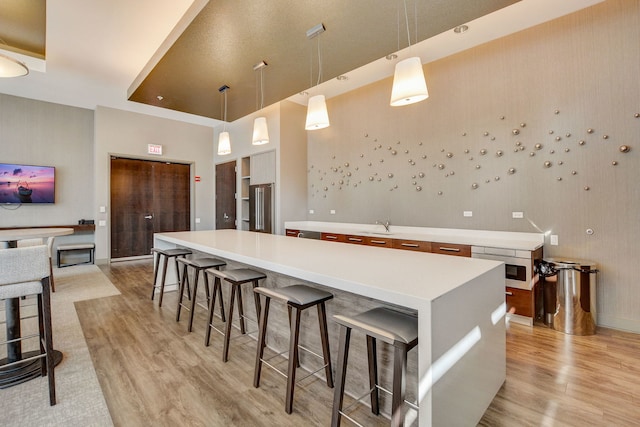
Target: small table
22 372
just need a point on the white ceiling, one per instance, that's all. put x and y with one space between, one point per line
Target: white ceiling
96 50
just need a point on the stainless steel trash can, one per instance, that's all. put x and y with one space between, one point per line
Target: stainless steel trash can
575 295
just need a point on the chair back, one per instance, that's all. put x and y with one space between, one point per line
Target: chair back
23 243
19 265
50 245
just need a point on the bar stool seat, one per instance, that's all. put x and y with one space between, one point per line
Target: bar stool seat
198 265
392 327
166 253
297 298
236 278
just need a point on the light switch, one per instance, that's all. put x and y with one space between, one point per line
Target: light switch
467 213
554 239
332 211
102 223
197 220
517 215
103 209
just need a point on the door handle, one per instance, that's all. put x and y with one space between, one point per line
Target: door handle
225 216
148 217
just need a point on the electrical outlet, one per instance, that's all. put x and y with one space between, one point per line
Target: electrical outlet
517 215
467 213
554 239
197 220
311 211
332 211
102 223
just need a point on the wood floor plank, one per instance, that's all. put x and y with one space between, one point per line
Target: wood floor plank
153 372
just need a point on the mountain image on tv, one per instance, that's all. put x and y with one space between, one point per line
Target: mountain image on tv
26 184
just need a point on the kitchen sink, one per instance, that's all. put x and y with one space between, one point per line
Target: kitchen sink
375 233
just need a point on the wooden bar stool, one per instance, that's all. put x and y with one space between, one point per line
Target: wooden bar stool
235 278
297 298
393 327
166 253
198 265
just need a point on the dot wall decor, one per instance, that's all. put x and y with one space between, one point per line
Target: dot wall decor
406 168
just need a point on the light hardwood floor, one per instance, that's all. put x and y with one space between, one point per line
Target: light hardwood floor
153 372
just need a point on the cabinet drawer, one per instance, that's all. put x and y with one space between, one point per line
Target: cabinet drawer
412 245
292 233
356 240
333 237
450 249
521 300
379 241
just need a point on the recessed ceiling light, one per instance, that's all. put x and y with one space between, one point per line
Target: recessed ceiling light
391 56
342 77
160 97
460 29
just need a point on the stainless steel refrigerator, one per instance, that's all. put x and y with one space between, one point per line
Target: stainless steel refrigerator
261 208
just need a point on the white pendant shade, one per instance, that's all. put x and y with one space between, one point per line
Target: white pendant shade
10 67
317 116
224 144
260 131
409 85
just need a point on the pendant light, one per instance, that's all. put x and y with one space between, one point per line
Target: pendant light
224 143
409 85
317 116
10 67
260 130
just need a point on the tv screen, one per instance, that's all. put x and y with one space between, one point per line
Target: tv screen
27 184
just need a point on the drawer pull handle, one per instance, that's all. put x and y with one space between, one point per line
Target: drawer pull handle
353 239
331 237
508 293
410 245
449 249
379 242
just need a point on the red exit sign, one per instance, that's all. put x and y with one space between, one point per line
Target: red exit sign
154 149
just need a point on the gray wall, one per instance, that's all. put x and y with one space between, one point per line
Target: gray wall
42 133
547 85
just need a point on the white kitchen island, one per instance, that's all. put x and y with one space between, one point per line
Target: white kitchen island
460 305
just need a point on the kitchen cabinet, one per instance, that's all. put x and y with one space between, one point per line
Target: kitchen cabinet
520 301
354 239
451 249
333 237
379 241
412 245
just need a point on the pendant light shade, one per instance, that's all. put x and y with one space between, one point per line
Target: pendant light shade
317 116
260 131
409 85
10 67
224 144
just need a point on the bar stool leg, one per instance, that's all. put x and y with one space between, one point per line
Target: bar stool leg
48 339
399 385
240 309
261 342
324 336
227 335
164 276
372 355
256 299
293 360
217 285
185 278
341 374
156 267
193 300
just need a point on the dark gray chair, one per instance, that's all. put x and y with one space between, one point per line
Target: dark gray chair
392 327
298 298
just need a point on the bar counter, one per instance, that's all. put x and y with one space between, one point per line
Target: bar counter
460 305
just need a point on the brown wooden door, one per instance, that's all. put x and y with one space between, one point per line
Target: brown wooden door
146 197
226 195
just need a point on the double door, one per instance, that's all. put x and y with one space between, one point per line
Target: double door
146 197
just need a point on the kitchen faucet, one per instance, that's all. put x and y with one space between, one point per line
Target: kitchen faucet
385 224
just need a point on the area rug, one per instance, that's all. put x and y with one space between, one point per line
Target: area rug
79 398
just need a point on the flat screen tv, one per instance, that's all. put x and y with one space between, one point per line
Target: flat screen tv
27 183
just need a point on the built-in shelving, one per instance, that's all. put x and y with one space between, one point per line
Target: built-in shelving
245 181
